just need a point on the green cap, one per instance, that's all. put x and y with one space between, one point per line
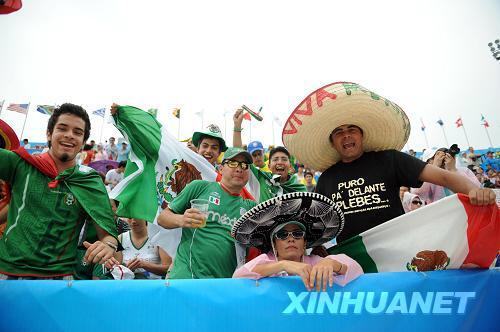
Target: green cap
212 131
233 152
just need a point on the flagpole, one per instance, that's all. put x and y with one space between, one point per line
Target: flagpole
25 118
445 138
102 128
425 135
489 138
465 133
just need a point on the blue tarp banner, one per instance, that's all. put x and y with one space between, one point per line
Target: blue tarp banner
434 301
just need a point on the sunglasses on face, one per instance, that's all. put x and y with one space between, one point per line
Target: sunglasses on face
234 164
416 202
283 235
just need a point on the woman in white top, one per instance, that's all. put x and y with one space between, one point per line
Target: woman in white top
147 260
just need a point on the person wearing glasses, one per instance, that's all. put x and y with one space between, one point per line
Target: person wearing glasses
206 249
286 242
411 202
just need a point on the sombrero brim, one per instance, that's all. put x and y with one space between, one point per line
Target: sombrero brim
8 138
322 219
307 131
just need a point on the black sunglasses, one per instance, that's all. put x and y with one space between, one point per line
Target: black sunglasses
283 235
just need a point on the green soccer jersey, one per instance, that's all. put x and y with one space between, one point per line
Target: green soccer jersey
43 223
208 252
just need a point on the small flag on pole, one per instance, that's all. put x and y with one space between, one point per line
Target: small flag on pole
176 112
484 122
459 122
153 112
19 108
100 112
440 122
45 109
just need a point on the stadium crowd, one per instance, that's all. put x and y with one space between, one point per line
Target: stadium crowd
59 222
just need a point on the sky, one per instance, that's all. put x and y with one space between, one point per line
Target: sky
430 57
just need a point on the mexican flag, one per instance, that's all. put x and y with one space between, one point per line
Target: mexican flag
446 234
159 166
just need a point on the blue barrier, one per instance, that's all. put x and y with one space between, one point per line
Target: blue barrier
434 301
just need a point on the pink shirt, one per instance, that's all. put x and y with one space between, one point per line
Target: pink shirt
354 270
100 156
430 192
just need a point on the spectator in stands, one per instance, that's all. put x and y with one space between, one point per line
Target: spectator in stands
256 149
123 152
309 179
112 149
209 143
464 161
100 154
411 202
402 191
279 181
490 162
51 197
87 154
206 249
347 143
491 179
114 176
474 159
443 159
26 144
146 259
300 173
284 244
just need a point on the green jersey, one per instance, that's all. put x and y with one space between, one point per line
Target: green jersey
266 185
43 223
208 252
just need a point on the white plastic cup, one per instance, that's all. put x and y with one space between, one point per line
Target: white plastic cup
202 206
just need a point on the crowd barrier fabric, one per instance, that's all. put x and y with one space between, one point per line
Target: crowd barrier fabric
402 301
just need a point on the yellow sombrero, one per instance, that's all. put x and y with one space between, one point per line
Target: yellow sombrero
307 131
8 138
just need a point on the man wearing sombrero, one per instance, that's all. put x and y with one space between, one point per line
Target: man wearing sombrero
353 135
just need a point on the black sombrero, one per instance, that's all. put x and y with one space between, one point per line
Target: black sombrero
8 138
322 219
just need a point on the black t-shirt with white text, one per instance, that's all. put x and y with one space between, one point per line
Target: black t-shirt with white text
367 189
